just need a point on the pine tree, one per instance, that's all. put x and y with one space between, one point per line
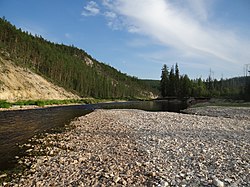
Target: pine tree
185 86
172 85
177 80
164 80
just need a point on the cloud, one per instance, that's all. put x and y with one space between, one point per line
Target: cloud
91 9
199 9
110 15
183 25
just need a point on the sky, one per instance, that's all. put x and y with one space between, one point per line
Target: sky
138 37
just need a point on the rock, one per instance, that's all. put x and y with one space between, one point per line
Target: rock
116 179
51 152
3 175
164 183
121 147
106 175
138 164
152 174
81 159
218 183
29 150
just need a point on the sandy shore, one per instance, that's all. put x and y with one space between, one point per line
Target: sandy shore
138 148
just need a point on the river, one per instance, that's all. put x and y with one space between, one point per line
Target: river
16 127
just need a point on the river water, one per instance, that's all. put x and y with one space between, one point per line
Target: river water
16 127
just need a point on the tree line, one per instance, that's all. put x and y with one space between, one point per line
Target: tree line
172 84
68 66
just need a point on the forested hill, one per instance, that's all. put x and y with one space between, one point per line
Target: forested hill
68 66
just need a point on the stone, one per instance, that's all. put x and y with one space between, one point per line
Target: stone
116 179
164 183
29 150
218 183
107 146
3 175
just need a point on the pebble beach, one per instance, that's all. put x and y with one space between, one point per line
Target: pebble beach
139 148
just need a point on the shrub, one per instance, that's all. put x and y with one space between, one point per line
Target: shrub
5 104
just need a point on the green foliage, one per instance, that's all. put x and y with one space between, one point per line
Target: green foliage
246 89
5 104
154 84
68 66
164 80
174 84
42 103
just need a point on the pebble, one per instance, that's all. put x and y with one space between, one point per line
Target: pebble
164 184
138 148
3 175
218 183
116 179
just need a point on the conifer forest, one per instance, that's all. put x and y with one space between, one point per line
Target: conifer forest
68 66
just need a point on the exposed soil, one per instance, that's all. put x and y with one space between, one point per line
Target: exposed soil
18 83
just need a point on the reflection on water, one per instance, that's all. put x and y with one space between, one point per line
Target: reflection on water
16 127
158 105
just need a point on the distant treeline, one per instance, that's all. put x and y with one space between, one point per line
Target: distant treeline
68 66
174 84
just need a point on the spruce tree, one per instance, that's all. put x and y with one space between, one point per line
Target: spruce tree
177 81
164 80
172 85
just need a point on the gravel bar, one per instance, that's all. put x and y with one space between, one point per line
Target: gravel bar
221 111
138 148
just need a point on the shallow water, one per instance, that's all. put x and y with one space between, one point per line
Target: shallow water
16 127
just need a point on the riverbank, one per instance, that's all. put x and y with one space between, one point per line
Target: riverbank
38 104
138 148
220 111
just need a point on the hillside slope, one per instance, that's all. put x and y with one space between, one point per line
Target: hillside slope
18 83
68 66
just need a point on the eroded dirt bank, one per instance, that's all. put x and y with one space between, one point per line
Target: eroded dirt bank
18 83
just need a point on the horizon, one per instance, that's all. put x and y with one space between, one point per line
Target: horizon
201 36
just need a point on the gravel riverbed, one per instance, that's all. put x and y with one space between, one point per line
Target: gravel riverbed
220 111
138 148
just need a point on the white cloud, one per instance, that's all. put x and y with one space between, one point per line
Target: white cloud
200 8
133 29
91 9
185 28
110 15
108 3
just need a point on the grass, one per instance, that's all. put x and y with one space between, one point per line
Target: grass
42 103
5 104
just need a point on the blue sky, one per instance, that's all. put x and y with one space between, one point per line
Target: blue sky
138 36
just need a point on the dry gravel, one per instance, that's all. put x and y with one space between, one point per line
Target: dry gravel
138 148
220 111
